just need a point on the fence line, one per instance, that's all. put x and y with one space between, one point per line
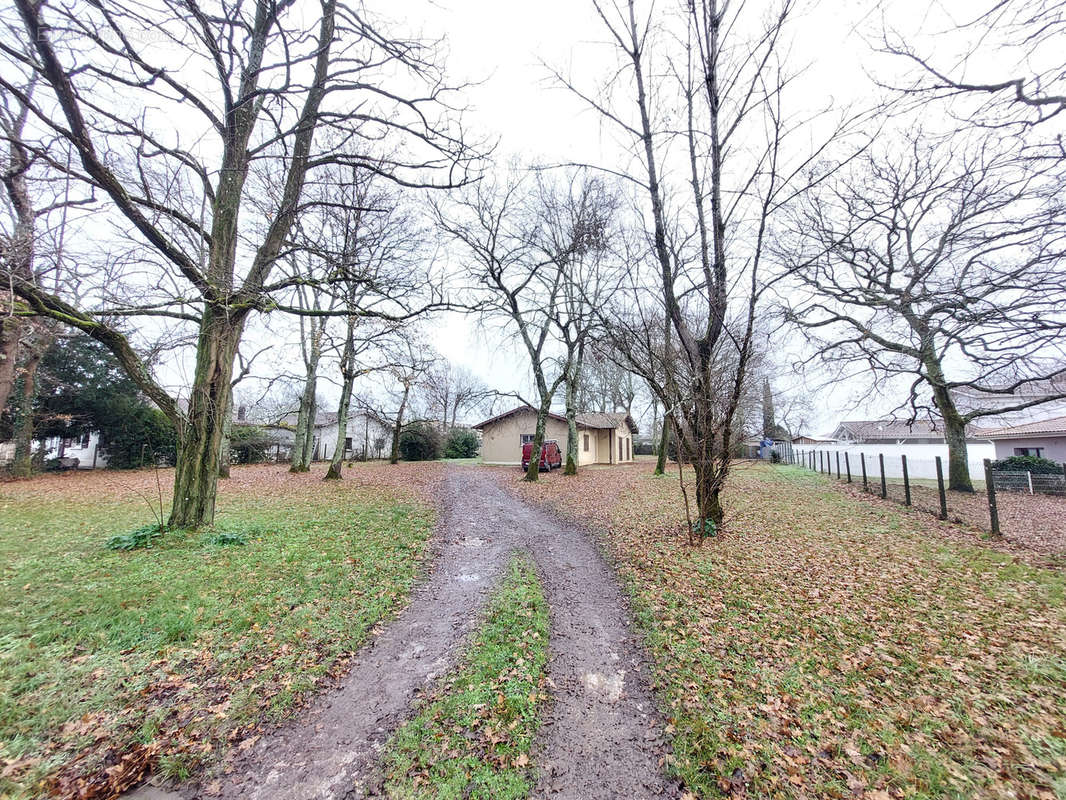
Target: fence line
995 480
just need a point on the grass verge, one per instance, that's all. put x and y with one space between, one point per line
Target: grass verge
828 647
472 735
114 664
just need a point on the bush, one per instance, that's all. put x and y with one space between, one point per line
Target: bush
1038 466
249 444
226 538
461 443
135 540
420 441
134 433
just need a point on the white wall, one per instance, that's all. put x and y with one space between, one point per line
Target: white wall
326 438
921 458
1054 447
75 450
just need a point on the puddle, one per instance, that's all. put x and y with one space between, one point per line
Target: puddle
609 685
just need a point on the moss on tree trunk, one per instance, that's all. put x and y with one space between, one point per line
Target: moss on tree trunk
200 438
22 464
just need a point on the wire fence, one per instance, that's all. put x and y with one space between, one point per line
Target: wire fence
1029 506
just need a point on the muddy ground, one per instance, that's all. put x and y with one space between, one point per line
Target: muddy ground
602 737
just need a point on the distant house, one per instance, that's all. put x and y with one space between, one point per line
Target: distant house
804 439
890 431
365 435
81 452
1043 395
602 437
1044 439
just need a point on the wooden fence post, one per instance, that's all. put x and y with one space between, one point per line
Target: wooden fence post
838 465
847 465
820 466
884 483
993 510
865 484
906 483
940 488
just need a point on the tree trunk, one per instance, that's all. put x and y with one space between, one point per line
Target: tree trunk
303 438
200 438
394 457
22 465
958 459
954 426
227 432
571 422
348 375
10 331
664 444
708 498
710 475
533 470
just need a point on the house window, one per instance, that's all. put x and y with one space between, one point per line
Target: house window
586 444
84 440
527 438
1028 451
347 442
628 454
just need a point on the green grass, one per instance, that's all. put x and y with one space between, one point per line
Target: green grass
472 736
463 462
169 650
828 647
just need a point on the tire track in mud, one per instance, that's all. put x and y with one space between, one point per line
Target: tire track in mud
601 737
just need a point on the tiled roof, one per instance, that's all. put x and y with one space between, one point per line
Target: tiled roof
605 419
585 419
1054 425
899 429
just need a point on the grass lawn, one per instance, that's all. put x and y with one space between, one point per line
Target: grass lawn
472 735
115 664
830 647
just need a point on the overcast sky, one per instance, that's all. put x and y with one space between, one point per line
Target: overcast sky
504 47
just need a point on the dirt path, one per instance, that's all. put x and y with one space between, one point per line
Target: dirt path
601 738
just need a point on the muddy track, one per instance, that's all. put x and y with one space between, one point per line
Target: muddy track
601 738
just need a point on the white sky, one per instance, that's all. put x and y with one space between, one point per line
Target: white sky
500 45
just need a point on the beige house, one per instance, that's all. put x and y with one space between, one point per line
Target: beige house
602 438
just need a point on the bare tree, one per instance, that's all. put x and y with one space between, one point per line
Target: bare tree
312 332
940 262
576 220
375 249
266 82
1005 55
448 391
700 91
410 360
36 206
511 280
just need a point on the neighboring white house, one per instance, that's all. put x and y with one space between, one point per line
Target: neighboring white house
893 431
921 442
84 449
366 435
1044 439
1042 393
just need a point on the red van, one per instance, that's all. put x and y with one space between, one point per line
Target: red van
551 457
